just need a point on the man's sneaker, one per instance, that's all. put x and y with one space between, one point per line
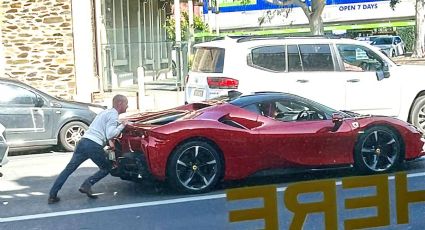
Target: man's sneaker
53 199
87 191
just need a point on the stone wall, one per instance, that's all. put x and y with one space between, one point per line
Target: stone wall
38 44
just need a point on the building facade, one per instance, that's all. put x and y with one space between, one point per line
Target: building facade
83 50
37 38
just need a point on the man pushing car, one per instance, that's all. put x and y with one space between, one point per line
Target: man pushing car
103 128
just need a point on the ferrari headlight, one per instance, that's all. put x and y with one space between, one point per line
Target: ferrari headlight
95 110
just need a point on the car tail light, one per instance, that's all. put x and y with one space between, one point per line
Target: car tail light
222 83
136 132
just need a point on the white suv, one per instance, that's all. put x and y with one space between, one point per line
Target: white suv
342 73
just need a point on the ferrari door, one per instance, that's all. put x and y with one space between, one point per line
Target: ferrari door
301 134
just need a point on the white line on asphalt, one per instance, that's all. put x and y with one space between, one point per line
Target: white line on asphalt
110 208
144 204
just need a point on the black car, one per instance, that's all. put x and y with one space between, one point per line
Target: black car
35 119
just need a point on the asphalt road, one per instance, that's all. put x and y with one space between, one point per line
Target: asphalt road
127 205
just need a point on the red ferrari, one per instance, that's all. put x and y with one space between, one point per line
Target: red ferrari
195 146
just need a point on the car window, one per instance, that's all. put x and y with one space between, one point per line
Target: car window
397 40
269 58
16 96
291 109
253 108
383 41
208 60
316 57
296 110
359 58
294 59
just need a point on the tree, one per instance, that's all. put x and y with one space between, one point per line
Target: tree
419 48
312 9
170 25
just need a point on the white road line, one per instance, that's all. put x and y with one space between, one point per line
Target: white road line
144 204
110 208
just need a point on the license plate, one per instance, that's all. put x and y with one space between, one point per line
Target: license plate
198 93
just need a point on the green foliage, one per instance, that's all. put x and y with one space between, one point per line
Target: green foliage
245 2
408 36
170 25
199 25
393 3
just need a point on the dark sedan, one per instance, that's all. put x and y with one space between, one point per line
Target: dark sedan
35 119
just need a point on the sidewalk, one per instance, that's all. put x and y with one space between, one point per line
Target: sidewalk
408 60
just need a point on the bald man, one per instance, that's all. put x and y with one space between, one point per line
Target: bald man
103 128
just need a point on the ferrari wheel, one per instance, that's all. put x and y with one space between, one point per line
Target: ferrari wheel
377 150
417 114
194 167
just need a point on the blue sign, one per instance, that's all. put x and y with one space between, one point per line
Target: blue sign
265 5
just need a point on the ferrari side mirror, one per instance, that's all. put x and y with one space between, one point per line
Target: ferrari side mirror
337 120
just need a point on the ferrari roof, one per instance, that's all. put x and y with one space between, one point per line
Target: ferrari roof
259 97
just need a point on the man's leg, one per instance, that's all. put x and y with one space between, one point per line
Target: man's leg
98 156
77 159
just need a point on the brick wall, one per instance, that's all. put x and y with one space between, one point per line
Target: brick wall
38 44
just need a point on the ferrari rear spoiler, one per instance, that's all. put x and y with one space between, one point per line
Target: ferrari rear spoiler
141 117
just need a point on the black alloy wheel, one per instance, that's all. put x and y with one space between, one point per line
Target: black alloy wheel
194 167
377 150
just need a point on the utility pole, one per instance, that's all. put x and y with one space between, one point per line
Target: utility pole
217 11
178 44
209 15
177 19
191 29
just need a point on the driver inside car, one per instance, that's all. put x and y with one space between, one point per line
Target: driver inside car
268 109
349 65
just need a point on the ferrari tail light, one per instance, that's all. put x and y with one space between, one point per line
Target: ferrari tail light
137 133
222 83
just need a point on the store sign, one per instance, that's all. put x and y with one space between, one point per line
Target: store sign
336 11
367 6
328 205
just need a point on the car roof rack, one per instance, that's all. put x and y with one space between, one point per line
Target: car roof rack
248 38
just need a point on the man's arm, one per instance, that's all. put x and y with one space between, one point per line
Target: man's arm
112 127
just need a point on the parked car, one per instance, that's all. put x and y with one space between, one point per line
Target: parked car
35 119
392 46
367 39
195 146
317 68
4 148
